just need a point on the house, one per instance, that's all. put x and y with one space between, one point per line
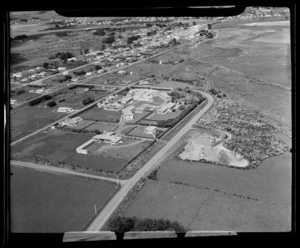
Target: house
121 72
72 122
127 114
150 130
107 137
61 68
65 110
65 73
165 107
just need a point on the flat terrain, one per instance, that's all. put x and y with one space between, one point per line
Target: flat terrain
220 198
253 64
201 209
97 114
32 118
53 203
61 146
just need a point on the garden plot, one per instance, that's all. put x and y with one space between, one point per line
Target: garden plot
203 146
166 116
25 96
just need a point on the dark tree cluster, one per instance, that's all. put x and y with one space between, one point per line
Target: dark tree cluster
125 224
109 40
39 100
87 100
132 38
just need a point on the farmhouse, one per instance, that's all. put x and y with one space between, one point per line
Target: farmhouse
72 122
165 107
107 137
61 68
150 130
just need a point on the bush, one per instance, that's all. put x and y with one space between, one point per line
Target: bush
51 104
20 92
99 32
109 40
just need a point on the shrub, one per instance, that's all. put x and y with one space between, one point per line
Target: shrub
20 92
109 40
51 104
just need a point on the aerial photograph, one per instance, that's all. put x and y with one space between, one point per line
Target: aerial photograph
133 124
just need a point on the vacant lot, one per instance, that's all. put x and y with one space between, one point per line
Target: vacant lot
31 118
49 203
97 114
166 116
61 146
101 126
202 209
82 125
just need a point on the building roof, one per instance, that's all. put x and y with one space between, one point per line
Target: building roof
108 136
127 111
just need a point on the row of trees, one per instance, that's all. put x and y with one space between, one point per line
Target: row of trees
39 100
125 224
62 56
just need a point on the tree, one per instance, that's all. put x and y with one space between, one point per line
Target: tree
194 23
45 65
86 51
109 40
98 67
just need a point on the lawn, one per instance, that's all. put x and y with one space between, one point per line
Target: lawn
126 153
101 126
97 114
139 131
32 118
82 125
138 116
61 146
52 203
166 116
25 96
200 209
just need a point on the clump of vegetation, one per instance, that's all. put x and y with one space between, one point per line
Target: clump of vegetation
109 40
152 175
132 38
252 137
125 224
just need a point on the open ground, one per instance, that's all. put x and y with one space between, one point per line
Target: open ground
53 203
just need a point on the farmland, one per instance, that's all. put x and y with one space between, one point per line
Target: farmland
202 209
97 114
52 203
31 118
101 126
59 147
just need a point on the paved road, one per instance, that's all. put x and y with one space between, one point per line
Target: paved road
53 169
153 162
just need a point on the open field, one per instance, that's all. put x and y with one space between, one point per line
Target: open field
202 209
32 118
126 153
52 203
61 146
101 126
25 96
262 53
97 114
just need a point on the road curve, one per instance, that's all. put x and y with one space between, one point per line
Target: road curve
100 220
53 169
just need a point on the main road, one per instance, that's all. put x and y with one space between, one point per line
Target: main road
100 220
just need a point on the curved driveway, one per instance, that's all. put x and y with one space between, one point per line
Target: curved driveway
100 220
